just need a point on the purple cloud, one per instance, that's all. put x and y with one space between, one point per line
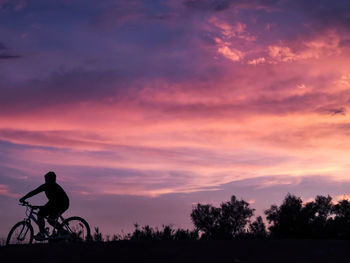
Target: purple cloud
5 52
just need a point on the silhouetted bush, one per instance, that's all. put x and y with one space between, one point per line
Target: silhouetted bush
97 237
145 233
182 234
166 233
224 222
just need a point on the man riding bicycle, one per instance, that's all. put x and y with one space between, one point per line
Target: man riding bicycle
58 202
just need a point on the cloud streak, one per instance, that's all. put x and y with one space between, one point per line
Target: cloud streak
5 52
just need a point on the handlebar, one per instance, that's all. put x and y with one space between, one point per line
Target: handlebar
25 203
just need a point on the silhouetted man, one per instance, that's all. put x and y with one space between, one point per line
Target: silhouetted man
57 204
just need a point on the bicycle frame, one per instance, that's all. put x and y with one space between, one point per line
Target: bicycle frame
30 213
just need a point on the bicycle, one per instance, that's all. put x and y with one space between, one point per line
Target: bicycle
71 229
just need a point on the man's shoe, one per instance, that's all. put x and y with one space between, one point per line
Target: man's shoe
40 236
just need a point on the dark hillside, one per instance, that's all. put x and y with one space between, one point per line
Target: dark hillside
184 251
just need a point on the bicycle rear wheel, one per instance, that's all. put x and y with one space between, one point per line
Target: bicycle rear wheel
76 229
20 233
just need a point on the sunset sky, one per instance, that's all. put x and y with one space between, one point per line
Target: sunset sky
144 108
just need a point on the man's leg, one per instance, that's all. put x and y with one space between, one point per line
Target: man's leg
44 211
52 220
55 212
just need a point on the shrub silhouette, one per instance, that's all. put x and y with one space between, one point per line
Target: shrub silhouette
181 234
166 233
224 222
97 237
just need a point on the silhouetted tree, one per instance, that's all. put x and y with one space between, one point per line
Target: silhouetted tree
323 209
323 205
340 224
257 228
225 222
285 220
307 218
293 219
206 219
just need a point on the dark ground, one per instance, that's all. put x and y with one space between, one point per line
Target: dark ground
281 251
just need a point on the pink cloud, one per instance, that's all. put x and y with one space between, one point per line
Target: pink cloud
230 53
313 49
229 31
257 61
4 190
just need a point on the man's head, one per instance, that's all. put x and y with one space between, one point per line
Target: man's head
50 177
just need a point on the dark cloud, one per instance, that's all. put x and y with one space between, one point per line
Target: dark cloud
119 13
2 46
62 88
332 110
134 12
322 13
5 52
337 111
8 56
216 5
220 5
12 5
318 13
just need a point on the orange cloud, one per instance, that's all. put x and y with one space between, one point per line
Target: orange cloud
257 61
232 54
312 49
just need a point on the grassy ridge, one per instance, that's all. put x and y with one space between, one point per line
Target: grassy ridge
296 251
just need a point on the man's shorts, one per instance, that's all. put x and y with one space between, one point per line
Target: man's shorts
53 210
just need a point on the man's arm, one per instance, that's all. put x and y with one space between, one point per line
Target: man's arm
40 189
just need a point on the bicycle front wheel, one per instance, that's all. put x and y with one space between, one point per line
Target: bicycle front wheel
20 233
76 228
